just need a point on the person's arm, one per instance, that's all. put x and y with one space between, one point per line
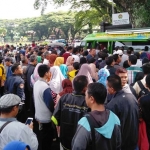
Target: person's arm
81 138
27 136
57 114
48 100
20 90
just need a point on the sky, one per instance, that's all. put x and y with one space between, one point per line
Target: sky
16 9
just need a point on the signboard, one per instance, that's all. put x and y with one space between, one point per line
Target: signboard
120 18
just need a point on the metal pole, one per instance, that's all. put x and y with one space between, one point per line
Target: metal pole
113 11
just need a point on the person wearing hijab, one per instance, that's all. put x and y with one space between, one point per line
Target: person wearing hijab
67 88
86 71
52 59
35 75
69 63
59 61
56 80
102 75
93 68
16 145
64 70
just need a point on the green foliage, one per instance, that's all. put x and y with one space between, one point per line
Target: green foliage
135 8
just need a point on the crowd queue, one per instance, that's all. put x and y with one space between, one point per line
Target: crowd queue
88 99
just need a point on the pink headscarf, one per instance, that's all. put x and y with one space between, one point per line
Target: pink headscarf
86 71
69 63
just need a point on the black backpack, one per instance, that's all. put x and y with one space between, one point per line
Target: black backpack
143 91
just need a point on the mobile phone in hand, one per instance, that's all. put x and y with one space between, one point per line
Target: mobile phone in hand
28 121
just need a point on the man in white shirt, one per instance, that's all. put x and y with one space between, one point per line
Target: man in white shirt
75 55
11 129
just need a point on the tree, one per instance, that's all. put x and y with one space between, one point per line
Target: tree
99 5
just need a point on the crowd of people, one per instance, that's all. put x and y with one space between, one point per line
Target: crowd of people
88 99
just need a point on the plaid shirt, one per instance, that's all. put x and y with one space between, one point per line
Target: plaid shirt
132 71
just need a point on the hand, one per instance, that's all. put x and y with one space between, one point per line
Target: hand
31 125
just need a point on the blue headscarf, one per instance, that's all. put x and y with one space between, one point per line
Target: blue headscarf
16 145
102 75
64 70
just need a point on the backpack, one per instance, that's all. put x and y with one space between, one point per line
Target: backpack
143 91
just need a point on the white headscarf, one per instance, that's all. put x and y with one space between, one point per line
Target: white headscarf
56 80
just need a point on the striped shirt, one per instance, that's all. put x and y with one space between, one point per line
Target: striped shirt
132 71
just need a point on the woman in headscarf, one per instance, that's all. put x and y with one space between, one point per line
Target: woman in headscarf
86 70
52 59
102 75
93 68
59 61
67 88
35 76
69 63
64 70
16 145
56 80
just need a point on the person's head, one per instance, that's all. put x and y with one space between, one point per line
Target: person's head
131 49
92 52
76 66
69 61
33 59
44 71
122 73
46 55
129 52
16 69
85 53
80 84
8 61
52 59
110 61
95 95
146 48
41 49
91 60
83 60
113 84
146 69
148 81
9 105
17 145
69 49
137 54
75 51
117 58
102 55
125 64
54 52
132 60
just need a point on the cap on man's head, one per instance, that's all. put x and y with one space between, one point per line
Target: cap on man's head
119 52
9 100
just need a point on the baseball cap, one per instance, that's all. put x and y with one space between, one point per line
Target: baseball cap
9 100
119 52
